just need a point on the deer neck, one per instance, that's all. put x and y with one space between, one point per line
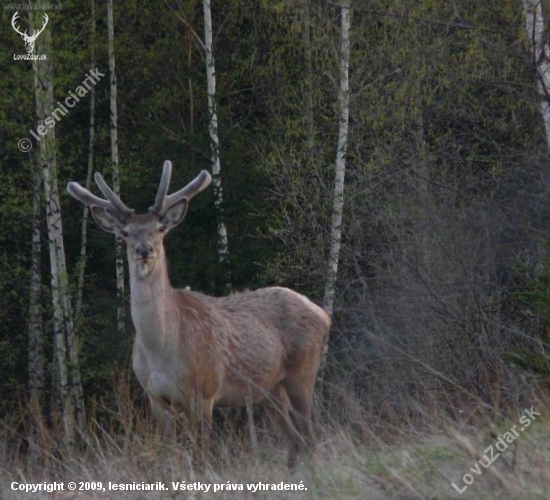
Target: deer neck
152 297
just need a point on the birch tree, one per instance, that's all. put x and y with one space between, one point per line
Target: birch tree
65 343
35 325
89 171
189 34
540 51
46 159
119 259
213 132
340 164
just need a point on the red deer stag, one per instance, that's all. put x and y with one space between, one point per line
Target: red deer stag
193 352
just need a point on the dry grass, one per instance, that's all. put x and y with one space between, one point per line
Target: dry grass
349 464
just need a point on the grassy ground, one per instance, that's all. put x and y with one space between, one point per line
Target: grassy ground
420 464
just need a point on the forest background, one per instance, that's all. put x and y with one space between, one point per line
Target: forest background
441 298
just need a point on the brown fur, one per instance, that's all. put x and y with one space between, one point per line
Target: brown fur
193 352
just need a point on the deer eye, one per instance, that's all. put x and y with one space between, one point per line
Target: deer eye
162 228
124 233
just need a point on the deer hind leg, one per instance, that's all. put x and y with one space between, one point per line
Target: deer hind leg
279 411
301 398
205 427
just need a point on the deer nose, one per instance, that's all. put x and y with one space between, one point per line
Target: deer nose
144 250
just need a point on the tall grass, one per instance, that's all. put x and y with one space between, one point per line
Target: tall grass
363 453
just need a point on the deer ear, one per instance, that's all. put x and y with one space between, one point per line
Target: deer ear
175 214
106 220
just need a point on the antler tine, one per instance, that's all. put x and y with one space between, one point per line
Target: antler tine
158 207
83 195
194 187
16 28
114 200
45 22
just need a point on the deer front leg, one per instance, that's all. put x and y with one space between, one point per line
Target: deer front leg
201 428
163 418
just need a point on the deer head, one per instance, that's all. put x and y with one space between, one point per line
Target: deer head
29 40
143 233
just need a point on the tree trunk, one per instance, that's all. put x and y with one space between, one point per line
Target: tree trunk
73 350
66 347
309 78
189 37
534 22
191 100
86 211
213 131
119 258
59 324
43 86
340 166
35 326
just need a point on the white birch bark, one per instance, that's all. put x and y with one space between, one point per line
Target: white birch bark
65 345
59 325
213 131
43 86
340 165
119 258
534 23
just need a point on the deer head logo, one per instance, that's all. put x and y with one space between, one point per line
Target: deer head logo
29 40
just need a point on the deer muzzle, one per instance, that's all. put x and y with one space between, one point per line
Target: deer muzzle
144 250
